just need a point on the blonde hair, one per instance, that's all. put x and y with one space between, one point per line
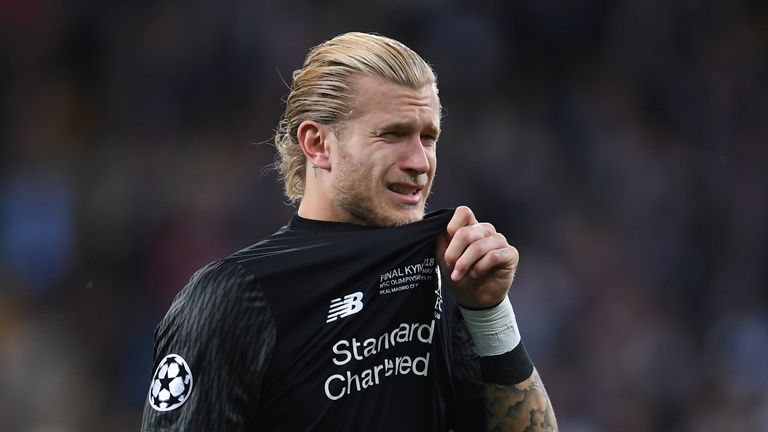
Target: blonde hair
323 91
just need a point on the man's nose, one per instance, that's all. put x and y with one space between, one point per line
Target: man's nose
414 158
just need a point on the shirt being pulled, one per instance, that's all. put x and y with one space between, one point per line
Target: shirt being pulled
320 326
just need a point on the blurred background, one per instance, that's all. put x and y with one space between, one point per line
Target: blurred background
621 146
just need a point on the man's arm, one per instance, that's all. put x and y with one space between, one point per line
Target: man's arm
514 396
482 266
520 407
221 327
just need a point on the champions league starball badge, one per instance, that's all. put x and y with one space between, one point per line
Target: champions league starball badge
171 384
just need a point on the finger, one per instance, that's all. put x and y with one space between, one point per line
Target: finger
504 259
462 217
475 252
464 237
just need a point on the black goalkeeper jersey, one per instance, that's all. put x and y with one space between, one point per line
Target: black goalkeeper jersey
322 326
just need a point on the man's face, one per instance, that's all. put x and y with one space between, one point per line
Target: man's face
385 157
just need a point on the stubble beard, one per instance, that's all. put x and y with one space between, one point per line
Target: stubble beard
354 196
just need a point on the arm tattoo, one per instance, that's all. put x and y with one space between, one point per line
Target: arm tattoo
521 407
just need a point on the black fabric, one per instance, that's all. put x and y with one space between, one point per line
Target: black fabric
509 368
222 326
323 326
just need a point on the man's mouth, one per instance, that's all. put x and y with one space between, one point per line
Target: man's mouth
404 188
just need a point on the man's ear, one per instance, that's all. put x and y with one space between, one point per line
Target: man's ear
313 139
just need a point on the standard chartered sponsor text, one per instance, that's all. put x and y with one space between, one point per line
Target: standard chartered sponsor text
342 384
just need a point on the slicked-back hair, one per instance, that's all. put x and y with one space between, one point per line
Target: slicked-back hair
323 91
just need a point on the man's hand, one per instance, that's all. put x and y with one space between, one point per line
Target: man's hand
480 262
481 265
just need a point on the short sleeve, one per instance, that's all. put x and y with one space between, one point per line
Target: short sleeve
211 351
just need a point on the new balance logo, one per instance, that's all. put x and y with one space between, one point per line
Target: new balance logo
344 307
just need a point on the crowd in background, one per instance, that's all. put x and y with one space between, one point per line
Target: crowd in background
622 147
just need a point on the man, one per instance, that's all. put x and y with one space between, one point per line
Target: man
338 321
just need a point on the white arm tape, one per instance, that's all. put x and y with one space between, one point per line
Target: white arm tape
493 330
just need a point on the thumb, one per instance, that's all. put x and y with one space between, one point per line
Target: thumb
462 217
